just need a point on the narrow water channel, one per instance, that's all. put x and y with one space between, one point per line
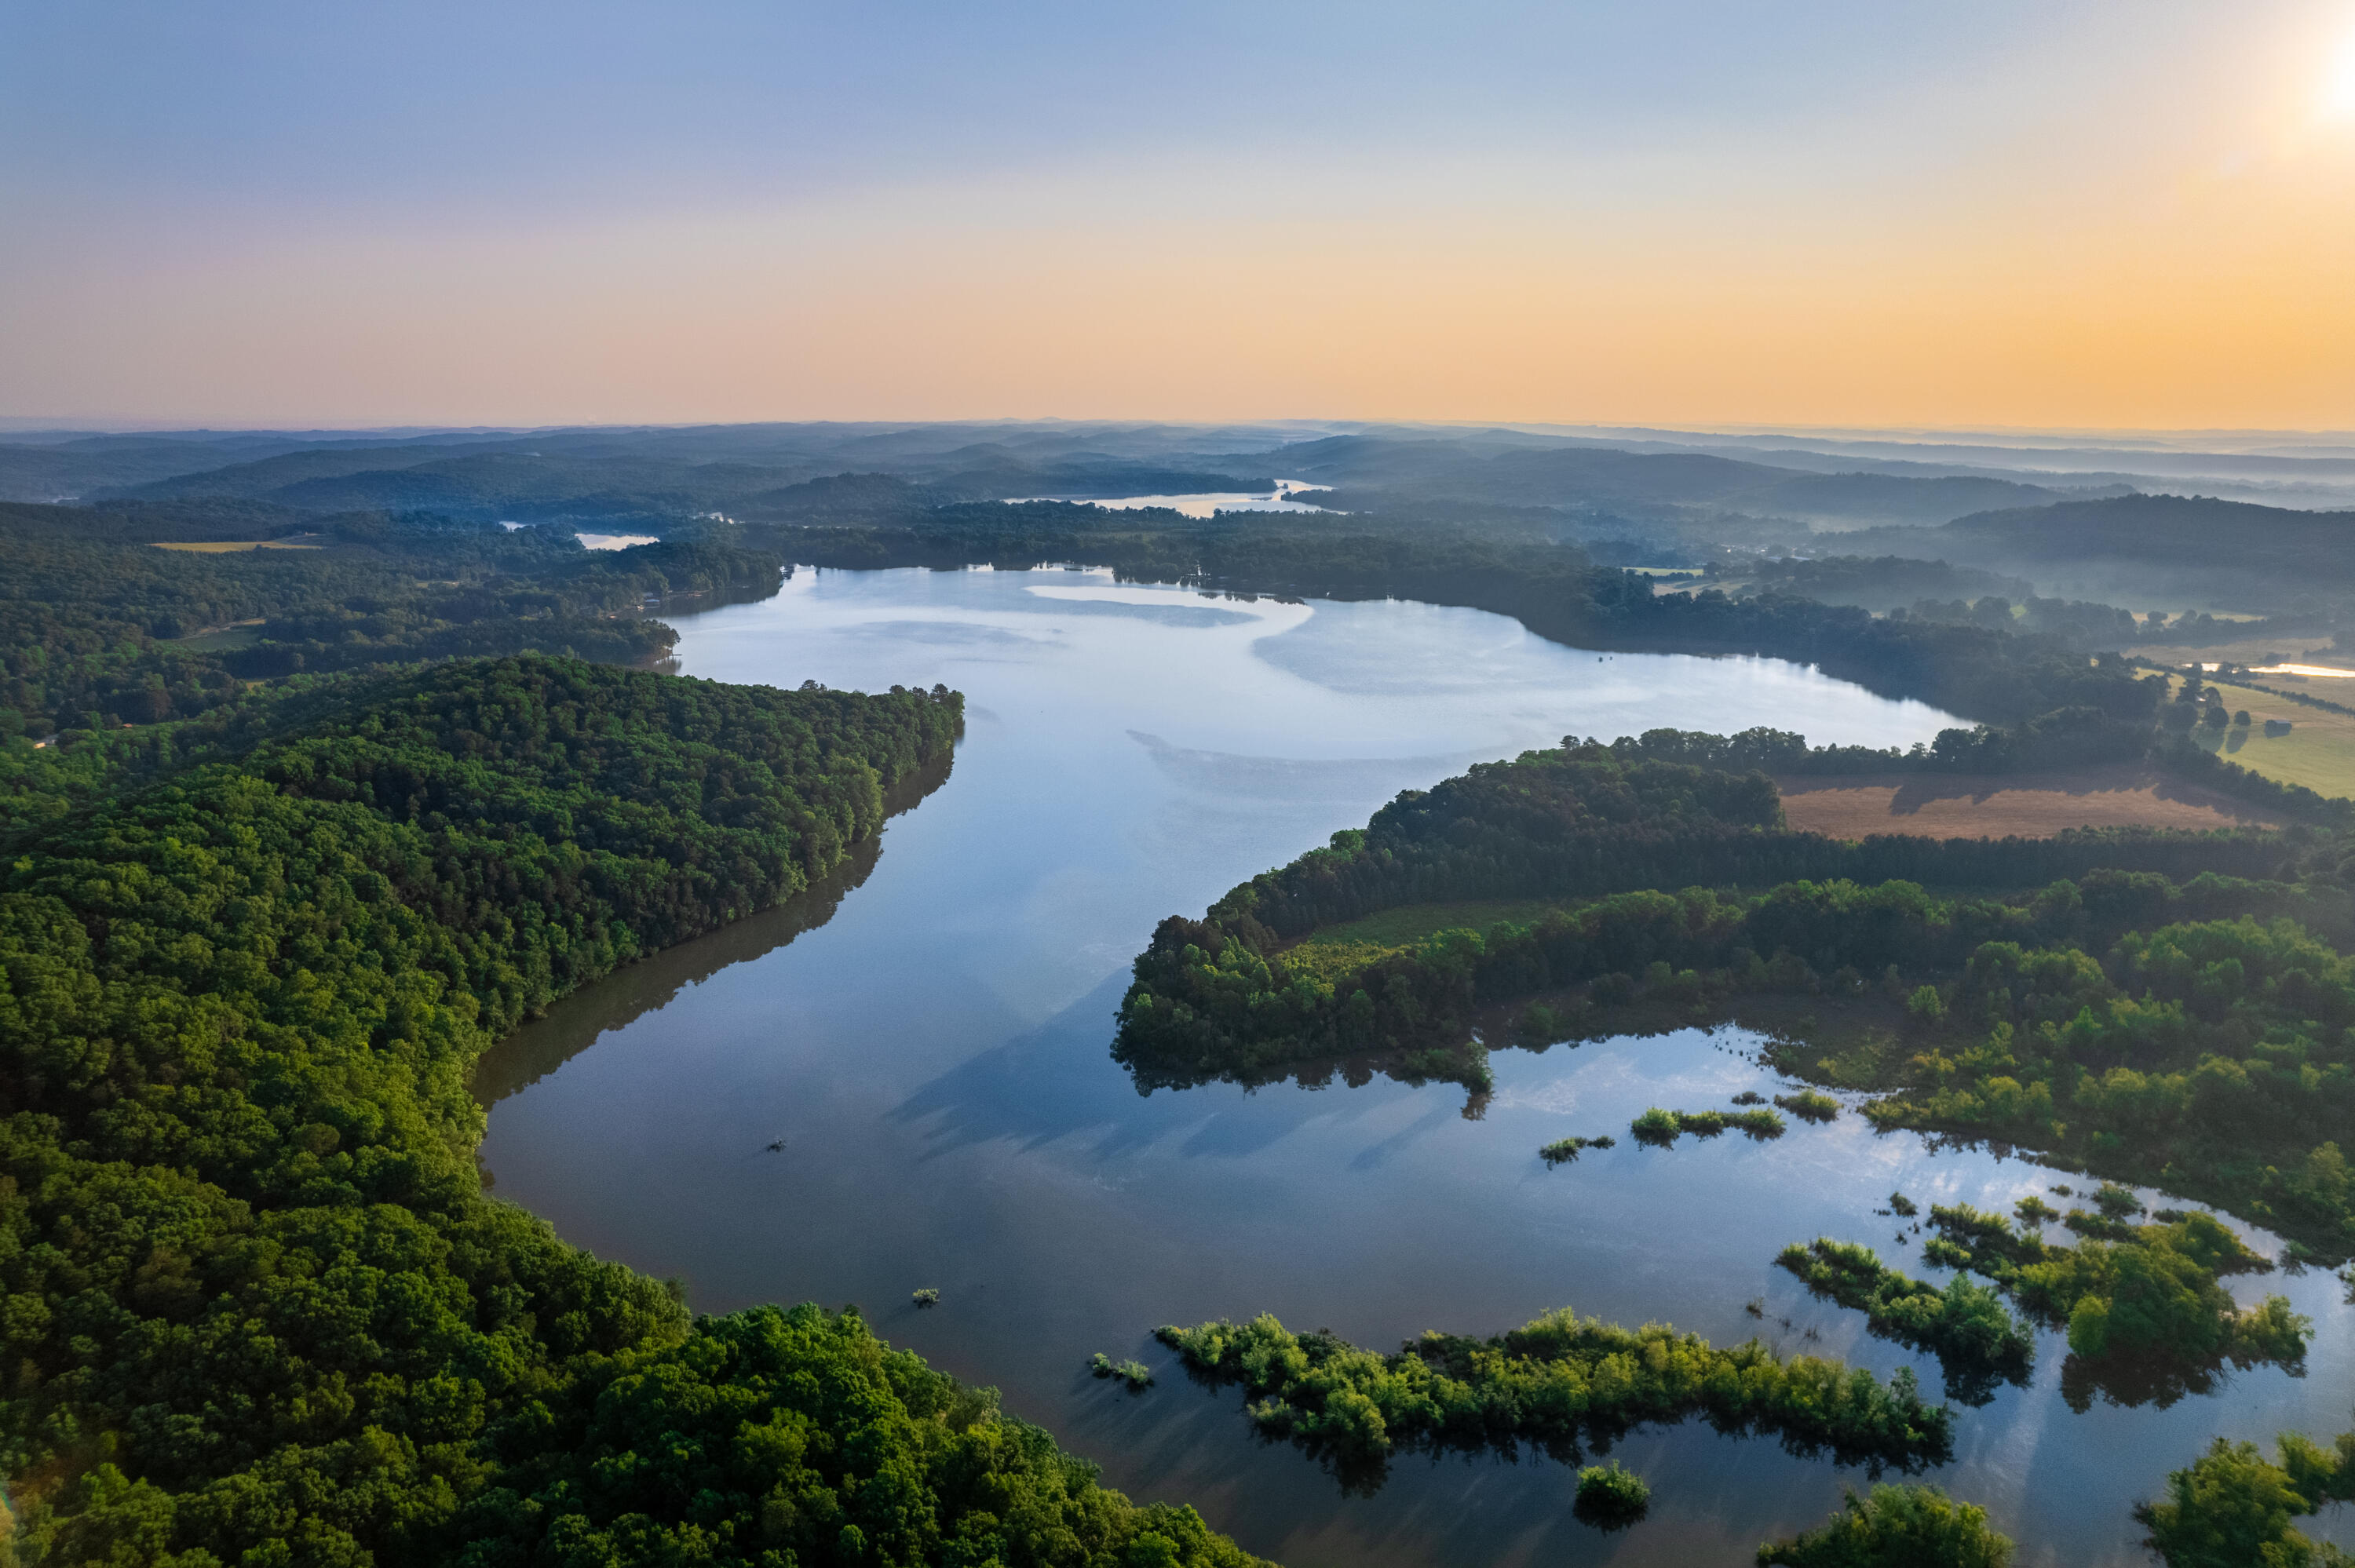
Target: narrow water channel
924 1042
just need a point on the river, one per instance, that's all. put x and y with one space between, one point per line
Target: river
926 1041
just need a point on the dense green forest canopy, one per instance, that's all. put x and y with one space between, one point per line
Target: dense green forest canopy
256 1300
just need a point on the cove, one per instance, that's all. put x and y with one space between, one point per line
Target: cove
927 1040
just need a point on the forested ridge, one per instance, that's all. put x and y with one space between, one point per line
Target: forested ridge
257 1307
101 628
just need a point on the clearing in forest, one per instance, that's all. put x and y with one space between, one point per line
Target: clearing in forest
2317 751
2022 805
229 546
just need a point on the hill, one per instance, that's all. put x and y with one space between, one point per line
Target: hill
2171 530
1390 475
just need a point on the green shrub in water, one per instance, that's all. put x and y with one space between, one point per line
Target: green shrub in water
1902 1526
1610 1497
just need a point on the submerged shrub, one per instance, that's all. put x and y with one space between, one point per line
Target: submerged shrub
1808 1105
1661 1127
1554 1383
1657 1127
1976 1341
1902 1526
1134 1373
1610 1497
2233 1506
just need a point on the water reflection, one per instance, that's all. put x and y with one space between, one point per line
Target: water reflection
575 1022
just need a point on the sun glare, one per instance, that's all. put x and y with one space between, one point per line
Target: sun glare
2339 88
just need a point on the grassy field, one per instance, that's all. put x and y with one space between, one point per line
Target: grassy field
2023 805
2319 751
2294 646
1338 949
225 546
219 638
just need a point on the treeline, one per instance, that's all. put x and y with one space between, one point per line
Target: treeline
1905 587
1874 582
95 618
1559 1383
2157 1008
257 1305
1587 818
2066 738
1554 591
2210 1055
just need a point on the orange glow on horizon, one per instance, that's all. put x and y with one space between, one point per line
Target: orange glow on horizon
2190 271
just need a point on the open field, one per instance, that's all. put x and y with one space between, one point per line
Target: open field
2120 795
2245 651
2319 751
1336 949
220 639
225 547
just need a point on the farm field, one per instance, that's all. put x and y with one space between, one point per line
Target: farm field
2238 651
2319 751
2015 805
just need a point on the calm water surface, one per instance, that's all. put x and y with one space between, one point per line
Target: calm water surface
928 1033
1205 503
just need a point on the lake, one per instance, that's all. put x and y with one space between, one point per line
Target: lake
928 1035
1206 503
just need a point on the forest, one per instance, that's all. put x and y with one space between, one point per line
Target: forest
102 626
258 1307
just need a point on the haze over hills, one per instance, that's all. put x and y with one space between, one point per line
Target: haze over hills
1861 481
2098 518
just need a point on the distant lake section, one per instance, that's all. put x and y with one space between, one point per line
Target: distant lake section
1207 503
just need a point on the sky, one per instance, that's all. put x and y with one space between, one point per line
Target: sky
2134 214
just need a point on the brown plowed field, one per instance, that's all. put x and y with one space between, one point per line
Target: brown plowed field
2022 805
